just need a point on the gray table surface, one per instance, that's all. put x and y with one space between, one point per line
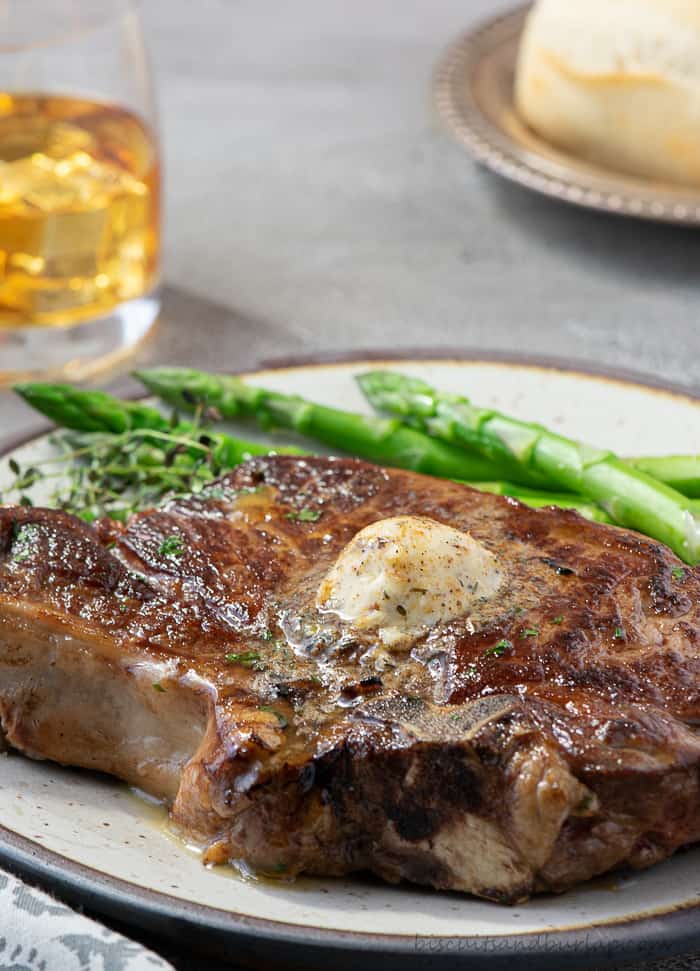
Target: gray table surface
315 203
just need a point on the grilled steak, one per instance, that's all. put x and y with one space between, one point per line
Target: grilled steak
325 666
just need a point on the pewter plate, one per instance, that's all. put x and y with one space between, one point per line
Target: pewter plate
95 843
473 91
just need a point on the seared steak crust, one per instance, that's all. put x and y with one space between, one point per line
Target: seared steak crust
184 653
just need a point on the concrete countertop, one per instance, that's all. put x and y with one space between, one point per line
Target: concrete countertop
312 194
310 187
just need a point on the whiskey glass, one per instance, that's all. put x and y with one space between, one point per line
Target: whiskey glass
79 187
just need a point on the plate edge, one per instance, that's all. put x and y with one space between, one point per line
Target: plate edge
27 855
613 941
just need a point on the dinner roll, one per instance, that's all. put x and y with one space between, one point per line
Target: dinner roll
616 82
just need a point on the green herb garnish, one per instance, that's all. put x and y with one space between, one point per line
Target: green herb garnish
499 649
23 547
529 632
157 686
619 633
248 659
305 515
24 479
558 620
120 457
678 573
172 546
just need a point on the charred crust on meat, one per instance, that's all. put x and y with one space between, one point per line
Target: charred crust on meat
664 593
361 689
559 568
386 766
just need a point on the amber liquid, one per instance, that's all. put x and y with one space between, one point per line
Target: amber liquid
79 209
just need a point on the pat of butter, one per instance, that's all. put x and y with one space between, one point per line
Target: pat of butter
405 574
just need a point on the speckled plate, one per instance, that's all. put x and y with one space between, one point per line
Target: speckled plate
95 842
473 91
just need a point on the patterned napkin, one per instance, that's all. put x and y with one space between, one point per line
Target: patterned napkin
39 934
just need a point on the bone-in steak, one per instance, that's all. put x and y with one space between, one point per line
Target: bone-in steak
501 712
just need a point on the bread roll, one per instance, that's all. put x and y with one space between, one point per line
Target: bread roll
616 82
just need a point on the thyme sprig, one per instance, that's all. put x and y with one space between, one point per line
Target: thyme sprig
100 474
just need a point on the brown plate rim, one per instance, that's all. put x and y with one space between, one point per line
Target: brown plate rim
644 936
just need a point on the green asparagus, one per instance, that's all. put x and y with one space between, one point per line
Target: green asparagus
133 448
89 411
386 441
96 411
119 456
631 497
681 472
537 499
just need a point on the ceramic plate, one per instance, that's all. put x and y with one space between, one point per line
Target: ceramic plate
474 95
96 842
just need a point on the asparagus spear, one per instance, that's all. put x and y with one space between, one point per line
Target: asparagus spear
118 457
104 424
89 411
631 497
100 474
98 416
96 411
537 499
681 472
386 441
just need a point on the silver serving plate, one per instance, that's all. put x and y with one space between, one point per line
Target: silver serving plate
473 91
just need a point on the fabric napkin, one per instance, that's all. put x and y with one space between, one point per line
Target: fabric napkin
39 934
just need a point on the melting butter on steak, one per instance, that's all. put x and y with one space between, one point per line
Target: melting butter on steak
524 733
405 574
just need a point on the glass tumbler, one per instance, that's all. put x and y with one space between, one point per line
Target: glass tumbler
79 187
